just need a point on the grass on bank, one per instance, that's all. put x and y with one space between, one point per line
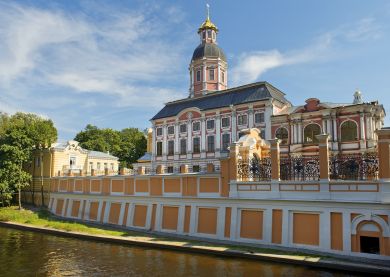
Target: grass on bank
43 218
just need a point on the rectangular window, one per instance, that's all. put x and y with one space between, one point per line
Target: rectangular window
183 128
223 77
38 161
98 166
196 168
211 74
159 148
105 166
242 119
259 117
210 124
210 144
209 33
196 145
198 76
225 122
183 146
196 126
159 131
171 148
225 141
171 130
90 166
170 169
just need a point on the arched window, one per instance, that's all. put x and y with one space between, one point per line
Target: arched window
349 131
282 134
310 133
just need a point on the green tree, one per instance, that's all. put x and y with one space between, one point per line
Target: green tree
128 144
20 135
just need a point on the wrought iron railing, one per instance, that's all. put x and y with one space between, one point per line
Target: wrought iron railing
303 168
254 169
354 166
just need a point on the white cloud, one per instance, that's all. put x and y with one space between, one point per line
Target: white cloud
111 56
251 65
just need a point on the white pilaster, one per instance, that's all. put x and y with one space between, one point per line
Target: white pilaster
234 126
300 139
233 225
329 128
193 220
122 212
251 117
164 142
267 226
203 136
217 133
204 76
180 222
325 230
362 128
335 127
221 222
176 138
346 232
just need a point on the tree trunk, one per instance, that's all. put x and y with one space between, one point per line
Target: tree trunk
20 198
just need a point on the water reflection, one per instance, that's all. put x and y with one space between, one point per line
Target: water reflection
33 254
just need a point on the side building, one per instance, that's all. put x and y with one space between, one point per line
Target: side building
64 159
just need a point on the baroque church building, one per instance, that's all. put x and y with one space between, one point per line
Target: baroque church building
192 134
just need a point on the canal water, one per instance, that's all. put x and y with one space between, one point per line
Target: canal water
25 253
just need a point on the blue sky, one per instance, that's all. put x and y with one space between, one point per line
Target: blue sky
115 63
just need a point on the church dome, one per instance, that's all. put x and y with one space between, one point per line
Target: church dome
208 50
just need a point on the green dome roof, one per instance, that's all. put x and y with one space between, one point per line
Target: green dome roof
208 50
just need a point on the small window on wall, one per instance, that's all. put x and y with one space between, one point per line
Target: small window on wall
196 126
183 128
98 166
349 131
159 148
198 75
183 146
242 119
170 169
171 146
72 161
225 141
282 134
210 124
204 34
223 77
209 33
310 133
211 74
90 166
105 166
196 145
225 122
259 117
159 131
196 168
171 130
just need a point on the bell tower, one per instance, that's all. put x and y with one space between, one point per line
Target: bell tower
208 67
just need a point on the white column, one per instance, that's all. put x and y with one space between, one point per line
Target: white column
180 222
267 227
203 135
335 127
107 211
295 132
164 142
291 133
300 140
157 225
204 76
329 128
233 225
189 136
250 118
121 213
323 126
362 128
325 230
153 141
219 77
193 220
267 119
217 133
176 138
191 81
369 126
346 232
285 227
221 222
79 215
234 126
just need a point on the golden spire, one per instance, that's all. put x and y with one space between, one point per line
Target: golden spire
207 24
